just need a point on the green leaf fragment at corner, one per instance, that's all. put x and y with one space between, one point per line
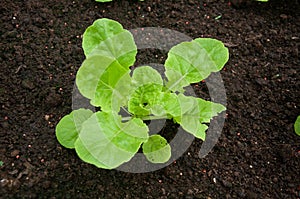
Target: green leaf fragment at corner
107 142
69 126
157 149
297 126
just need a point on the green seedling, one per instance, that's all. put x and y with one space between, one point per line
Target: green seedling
105 138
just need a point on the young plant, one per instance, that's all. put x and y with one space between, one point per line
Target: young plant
105 138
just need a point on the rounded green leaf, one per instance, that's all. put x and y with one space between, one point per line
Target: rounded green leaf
89 73
104 81
191 62
107 142
297 126
104 75
146 75
120 47
69 126
99 31
86 156
216 51
107 37
157 149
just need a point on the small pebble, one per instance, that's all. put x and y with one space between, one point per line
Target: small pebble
214 180
283 16
47 117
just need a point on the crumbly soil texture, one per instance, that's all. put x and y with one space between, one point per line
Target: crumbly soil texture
258 152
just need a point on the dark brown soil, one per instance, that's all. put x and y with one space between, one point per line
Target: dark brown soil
258 154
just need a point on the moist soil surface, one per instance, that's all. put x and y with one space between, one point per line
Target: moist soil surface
257 154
